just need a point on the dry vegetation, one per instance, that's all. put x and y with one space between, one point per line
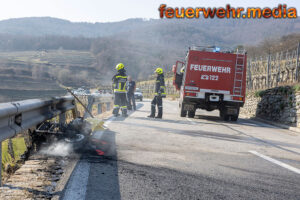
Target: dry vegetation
284 43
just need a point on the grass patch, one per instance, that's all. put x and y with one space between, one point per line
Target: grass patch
19 148
296 88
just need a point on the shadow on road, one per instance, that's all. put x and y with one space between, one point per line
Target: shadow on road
240 137
152 182
240 121
164 120
243 122
103 182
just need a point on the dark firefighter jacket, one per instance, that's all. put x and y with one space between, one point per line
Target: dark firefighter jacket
160 88
119 82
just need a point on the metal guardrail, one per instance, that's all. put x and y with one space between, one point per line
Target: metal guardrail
22 115
99 100
18 116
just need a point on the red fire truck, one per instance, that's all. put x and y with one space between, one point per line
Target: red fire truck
210 80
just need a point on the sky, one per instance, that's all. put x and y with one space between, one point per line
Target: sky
116 10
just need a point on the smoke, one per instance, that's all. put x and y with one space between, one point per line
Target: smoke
58 149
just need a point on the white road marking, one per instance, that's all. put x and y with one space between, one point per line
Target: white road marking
76 189
192 122
291 168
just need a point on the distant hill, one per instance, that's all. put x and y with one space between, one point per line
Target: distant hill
41 26
183 31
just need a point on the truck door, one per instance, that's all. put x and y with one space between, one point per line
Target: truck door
178 71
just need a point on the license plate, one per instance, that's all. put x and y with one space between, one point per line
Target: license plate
232 111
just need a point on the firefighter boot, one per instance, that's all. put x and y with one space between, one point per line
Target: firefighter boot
116 111
124 112
160 112
152 115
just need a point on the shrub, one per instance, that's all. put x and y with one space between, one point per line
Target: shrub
260 93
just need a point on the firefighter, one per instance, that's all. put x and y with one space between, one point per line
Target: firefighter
179 77
160 92
119 86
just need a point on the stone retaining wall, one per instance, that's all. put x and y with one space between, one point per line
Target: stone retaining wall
280 104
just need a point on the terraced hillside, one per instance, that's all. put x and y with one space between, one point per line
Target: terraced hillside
41 74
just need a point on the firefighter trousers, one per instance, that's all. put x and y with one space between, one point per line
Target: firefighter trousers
120 102
157 100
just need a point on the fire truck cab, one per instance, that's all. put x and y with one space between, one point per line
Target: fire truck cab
210 79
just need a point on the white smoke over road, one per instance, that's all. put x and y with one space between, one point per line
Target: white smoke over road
58 149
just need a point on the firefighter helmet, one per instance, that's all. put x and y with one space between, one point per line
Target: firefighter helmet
182 70
119 66
159 70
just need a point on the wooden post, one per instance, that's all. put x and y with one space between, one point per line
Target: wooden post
297 63
89 108
279 67
268 71
250 86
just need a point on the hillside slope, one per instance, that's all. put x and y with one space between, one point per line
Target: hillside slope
228 31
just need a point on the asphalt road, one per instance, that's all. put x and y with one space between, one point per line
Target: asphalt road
182 158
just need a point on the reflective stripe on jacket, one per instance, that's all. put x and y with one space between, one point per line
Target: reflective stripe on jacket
160 86
119 82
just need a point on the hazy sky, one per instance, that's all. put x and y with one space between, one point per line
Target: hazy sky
115 10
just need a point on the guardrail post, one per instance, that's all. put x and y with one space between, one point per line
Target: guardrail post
89 106
107 106
297 63
268 70
62 118
99 108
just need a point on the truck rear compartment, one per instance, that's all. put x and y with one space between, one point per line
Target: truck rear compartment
213 81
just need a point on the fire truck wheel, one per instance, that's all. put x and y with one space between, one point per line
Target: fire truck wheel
226 117
182 112
191 114
223 115
234 118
